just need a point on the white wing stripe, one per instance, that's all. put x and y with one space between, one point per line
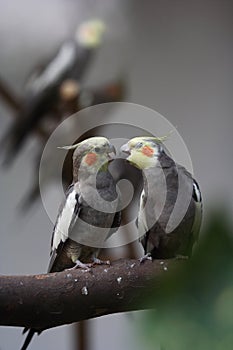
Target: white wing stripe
61 232
142 224
197 191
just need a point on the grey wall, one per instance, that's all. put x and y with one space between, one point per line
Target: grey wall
178 57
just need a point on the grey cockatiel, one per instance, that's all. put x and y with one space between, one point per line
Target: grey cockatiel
170 208
42 95
89 214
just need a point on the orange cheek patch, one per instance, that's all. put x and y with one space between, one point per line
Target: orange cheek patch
148 151
90 158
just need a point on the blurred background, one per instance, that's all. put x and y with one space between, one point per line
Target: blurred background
172 56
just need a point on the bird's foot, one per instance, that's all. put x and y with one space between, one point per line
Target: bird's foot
97 261
79 264
145 257
181 257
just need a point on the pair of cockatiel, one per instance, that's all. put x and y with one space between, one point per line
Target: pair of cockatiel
90 213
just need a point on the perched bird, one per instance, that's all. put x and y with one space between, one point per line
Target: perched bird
170 208
89 214
70 62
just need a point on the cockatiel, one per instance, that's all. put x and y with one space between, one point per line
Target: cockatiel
42 95
89 214
170 208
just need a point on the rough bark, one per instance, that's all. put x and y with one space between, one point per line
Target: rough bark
50 300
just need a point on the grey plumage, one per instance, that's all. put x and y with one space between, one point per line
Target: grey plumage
157 241
85 217
43 96
170 209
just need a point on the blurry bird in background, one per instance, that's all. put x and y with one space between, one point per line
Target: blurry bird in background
78 222
54 91
42 95
161 236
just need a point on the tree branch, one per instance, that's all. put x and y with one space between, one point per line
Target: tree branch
50 300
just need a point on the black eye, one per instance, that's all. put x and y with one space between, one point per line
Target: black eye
139 145
97 149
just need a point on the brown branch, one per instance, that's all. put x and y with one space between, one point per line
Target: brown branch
50 300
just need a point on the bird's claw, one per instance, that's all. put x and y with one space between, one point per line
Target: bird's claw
97 261
79 264
145 257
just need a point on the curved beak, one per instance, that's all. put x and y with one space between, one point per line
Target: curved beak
112 152
125 148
